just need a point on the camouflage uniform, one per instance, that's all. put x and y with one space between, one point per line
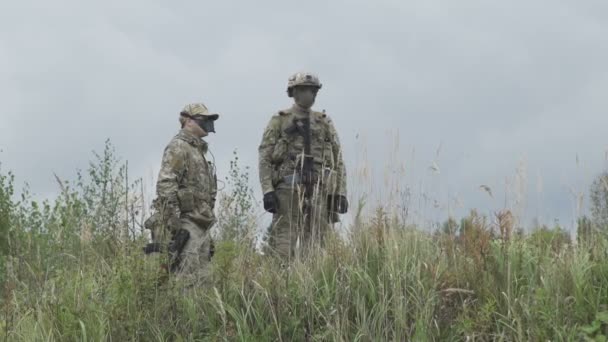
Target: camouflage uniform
186 190
281 155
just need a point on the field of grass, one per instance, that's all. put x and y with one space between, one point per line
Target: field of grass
72 269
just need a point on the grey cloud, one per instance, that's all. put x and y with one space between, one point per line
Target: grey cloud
493 82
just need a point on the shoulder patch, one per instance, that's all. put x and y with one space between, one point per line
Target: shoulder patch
285 112
321 115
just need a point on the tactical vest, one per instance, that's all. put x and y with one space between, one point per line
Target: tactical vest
288 153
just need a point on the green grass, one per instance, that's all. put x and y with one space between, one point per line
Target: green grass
406 286
73 270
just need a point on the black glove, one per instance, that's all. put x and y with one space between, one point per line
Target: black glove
271 202
338 203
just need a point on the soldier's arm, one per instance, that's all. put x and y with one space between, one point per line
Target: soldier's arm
213 185
269 140
171 170
338 160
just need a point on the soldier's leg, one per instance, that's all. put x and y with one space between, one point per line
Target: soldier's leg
319 225
194 258
286 225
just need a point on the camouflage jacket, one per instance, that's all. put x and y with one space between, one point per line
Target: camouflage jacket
187 182
281 149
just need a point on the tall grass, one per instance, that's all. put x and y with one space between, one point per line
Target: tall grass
73 270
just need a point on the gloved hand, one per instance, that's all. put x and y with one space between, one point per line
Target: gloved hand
337 203
271 202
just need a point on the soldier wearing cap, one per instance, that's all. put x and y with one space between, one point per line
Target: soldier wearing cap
301 171
186 191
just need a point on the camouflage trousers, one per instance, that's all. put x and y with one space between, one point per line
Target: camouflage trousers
293 232
193 263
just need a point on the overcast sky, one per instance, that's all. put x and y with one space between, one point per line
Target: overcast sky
445 95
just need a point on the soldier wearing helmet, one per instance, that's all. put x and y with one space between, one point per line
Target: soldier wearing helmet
186 191
301 171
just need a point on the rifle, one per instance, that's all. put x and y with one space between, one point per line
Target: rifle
302 127
307 174
174 247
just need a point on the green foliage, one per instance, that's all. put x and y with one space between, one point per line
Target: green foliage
6 211
75 271
235 206
553 239
598 329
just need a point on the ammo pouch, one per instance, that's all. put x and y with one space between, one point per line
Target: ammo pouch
296 179
186 200
279 152
293 179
